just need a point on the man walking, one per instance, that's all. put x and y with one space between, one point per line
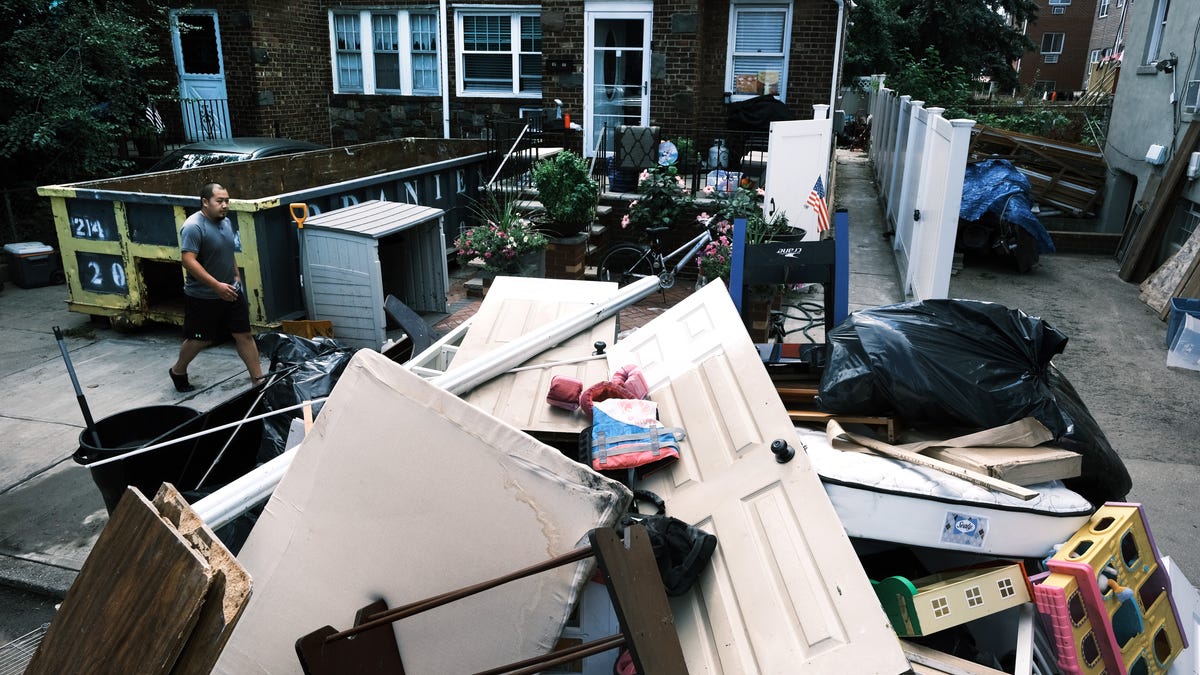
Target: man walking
215 302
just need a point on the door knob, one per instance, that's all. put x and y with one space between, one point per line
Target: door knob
783 452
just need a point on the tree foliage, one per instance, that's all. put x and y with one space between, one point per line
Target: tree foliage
983 38
74 84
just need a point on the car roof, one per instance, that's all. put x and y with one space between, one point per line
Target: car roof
251 145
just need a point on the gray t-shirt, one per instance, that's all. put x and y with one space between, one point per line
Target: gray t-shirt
214 246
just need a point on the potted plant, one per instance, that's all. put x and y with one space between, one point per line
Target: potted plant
664 200
503 242
568 193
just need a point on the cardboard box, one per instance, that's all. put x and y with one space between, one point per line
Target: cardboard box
746 84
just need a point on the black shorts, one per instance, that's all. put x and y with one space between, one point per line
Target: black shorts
212 320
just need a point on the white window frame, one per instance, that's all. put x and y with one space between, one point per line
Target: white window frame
366 52
735 8
1103 7
1158 24
1051 55
1094 57
515 52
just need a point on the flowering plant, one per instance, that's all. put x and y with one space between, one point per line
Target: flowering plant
664 199
500 239
744 201
715 258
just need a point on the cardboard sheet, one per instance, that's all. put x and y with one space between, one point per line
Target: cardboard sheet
402 491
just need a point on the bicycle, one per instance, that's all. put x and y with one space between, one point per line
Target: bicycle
628 262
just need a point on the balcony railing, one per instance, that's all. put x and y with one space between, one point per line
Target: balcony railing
205 119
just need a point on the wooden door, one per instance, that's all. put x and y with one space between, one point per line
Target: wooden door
784 592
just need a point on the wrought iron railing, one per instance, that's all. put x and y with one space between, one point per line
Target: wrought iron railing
205 119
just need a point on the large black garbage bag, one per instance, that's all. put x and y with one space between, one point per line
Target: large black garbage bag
965 363
302 370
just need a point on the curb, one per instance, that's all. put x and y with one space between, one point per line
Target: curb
35 577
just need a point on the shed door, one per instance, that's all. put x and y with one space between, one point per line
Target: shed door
785 592
196 39
343 283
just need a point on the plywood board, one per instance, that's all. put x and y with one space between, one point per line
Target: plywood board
402 491
134 603
784 592
516 306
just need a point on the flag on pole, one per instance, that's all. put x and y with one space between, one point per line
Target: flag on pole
816 201
154 118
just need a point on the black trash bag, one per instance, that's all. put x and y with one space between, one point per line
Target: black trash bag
681 550
959 363
965 363
301 370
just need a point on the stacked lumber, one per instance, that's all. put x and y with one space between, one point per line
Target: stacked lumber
800 401
1146 238
1178 277
1102 82
1063 175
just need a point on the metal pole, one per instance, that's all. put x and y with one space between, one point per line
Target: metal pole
255 487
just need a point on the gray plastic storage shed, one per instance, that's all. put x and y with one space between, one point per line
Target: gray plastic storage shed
356 256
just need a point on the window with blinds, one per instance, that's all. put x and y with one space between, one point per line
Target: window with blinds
385 52
500 54
758 48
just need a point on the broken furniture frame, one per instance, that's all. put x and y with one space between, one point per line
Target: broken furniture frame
825 262
634 585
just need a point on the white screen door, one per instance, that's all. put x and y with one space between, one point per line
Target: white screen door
617 70
196 40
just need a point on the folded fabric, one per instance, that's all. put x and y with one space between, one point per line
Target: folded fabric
564 392
626 433
599 392
631 378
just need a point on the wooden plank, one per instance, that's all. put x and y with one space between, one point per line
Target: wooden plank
1158 288
1149 234
834 430
887 424
227 594
133 604
636 589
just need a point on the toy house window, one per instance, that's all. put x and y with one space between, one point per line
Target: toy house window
759 38
1158 23
385 52
941 607
1006 588
1076 609
499 53
974 597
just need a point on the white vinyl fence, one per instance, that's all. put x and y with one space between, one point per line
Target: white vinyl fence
919 160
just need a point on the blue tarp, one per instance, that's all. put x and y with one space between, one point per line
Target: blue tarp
995 186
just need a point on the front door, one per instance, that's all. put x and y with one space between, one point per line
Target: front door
196 40
617 70
784 592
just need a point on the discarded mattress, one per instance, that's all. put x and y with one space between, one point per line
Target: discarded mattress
402 491
890 500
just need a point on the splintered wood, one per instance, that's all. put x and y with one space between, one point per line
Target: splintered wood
158 594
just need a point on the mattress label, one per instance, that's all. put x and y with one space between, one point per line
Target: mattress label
964 529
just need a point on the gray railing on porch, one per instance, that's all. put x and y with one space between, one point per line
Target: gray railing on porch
205 118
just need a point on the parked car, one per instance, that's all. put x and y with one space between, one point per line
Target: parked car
223 150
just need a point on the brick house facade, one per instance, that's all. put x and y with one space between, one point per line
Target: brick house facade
280 79
1061 35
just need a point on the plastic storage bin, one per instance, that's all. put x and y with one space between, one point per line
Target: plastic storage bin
1185 345
31 264
1180 307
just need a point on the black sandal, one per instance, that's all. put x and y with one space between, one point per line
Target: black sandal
180 381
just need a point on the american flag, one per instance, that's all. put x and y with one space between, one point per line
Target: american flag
816 201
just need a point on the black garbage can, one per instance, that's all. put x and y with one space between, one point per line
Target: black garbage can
127 431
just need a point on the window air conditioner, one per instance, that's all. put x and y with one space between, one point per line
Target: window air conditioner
1193 169
1191 96
1058 10
1051 58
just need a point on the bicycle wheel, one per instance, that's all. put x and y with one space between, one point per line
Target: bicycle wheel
625 263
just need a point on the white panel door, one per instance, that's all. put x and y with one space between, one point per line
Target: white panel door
204 103
785 592
797 152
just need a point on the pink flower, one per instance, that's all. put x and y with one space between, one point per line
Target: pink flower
708 189
488 254
633 203
625 221
703 218
644 175
760 192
